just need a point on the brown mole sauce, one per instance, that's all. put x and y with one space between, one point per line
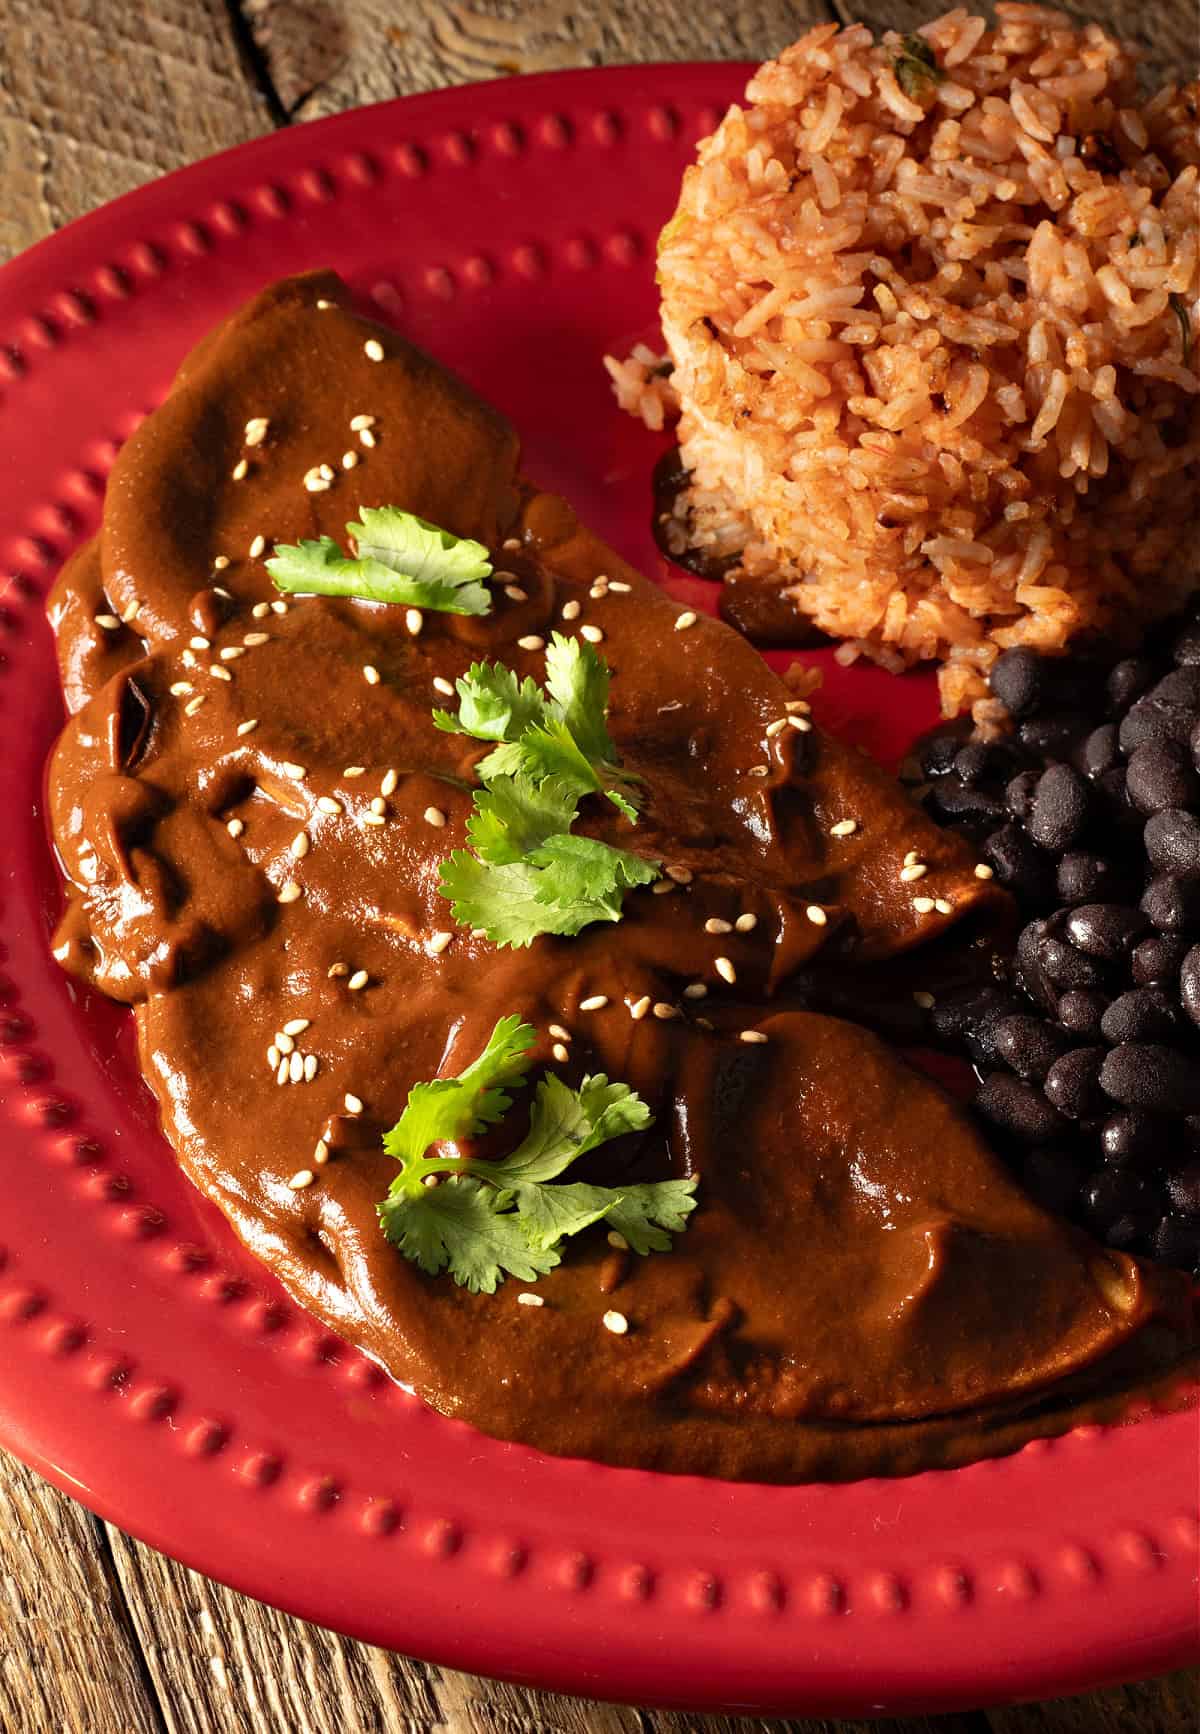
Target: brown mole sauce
863 1288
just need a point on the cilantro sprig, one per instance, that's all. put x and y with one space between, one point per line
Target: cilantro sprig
397 557
485 1220
527 873
916 68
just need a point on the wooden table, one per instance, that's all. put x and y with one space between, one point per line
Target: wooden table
98 1633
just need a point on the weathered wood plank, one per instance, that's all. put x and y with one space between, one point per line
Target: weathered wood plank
69 1662
97 96
323 58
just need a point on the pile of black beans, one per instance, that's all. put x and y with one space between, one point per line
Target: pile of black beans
1088 1050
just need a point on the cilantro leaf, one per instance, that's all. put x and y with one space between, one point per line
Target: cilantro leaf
515 815
916 67
514 903
577 681
493 705
398 558
489 1219
585 868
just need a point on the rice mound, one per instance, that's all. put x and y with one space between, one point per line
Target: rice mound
932 307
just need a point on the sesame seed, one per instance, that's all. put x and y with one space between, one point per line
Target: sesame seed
639 1008
349 460
445 687
923 905
372 819
572 610
746 923
219 673
256 430
312 1066
328 804
281 1076
293 770
600 583
261 610
283 1042
321 1153
438 942
527 1299
983 871
686 619
193 705
323 306
435 817
296 1068
315 482
414 620
373 349
370 674
665 1012
661 887
916 870
615 1322
799 722
598 592
531 641
703 1024
714 924
515 593
108 622
130 614
298 847
220 590
355 771
181 688
926 1001
560 1052
367 438
681 875
231 653
336 969
221 562
378 806
725 969
776 728
511 544
593 634
594 1002
695 990
235 827
943 907
617 1240
844 828
279 606
199 643
558 1032
358 981
358 422
257 546
758 770
352 1104
290 892
619 585
816 915
800 705
302 1178
296 1026
273 1056
752 1036
387 785
188 659
911 857
240 470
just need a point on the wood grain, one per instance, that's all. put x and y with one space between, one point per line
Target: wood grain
97 96
99 1634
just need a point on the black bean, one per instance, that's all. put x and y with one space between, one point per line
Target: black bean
1128 680
1183 1189
1028 1045
1176 1242
1160 774
1172 904
1189 984
1106 930
1186 646
1100 751
1158 958
1167 712
1022 681
1172 839
1018 1108
1060 808
1030 974
1085 878
1019 864
1054 736
1149 1075
1132 1136
1018 794
973 762
964 1016
1081 1009
938 752
1054 1177
1073 1082
1111 796
1194 744
1067 967
1144 1014
1112 1192
954 800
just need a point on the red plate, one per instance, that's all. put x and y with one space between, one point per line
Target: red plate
147 1364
